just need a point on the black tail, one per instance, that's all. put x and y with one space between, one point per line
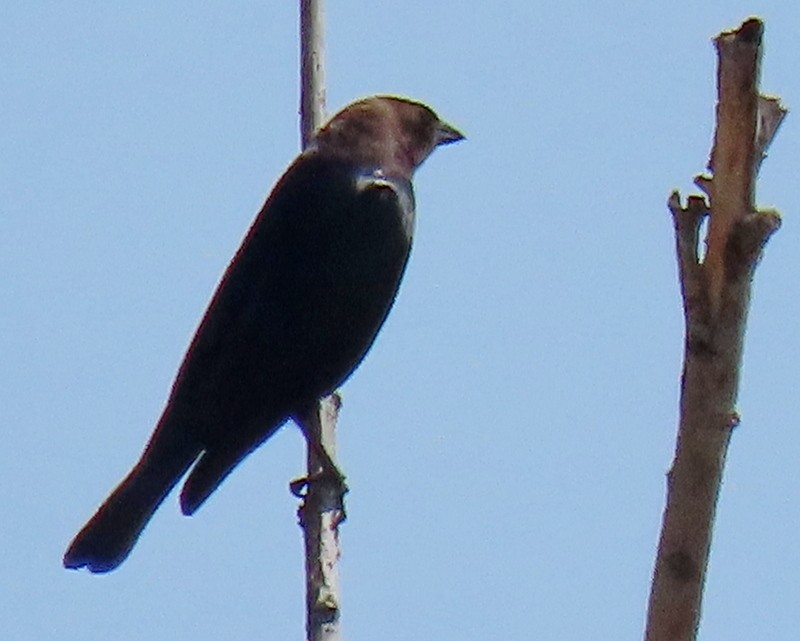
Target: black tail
107 539
212 468
218 460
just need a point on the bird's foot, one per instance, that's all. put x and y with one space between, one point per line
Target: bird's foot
328 474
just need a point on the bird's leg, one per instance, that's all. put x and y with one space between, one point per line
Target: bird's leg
326 471
322 467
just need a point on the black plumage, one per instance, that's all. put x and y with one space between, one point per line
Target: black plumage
295 313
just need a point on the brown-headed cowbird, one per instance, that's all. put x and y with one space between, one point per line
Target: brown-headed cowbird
294 314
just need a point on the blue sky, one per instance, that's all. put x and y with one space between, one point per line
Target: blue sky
506 439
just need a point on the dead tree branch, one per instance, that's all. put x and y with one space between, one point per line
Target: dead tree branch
716 297
322 509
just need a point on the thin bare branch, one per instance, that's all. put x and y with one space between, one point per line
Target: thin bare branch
770 117
322 509
312 68
320 515
716 297
733 157
687 223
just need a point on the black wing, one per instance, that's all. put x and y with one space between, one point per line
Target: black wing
295 313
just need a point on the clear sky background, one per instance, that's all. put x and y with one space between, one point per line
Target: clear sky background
506 439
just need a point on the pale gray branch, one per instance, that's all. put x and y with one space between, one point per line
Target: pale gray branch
322 509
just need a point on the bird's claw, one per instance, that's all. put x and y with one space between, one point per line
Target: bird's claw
299 486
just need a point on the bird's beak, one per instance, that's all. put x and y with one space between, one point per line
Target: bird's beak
446 134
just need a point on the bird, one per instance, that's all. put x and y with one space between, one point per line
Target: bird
293 315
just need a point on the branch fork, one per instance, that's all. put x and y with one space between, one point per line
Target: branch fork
715 291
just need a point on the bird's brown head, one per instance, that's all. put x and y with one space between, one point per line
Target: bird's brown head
392 133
